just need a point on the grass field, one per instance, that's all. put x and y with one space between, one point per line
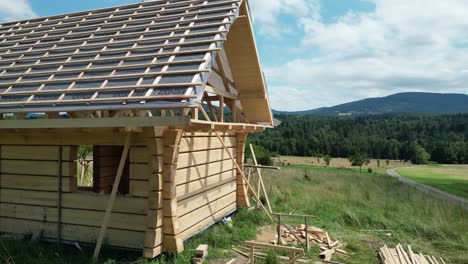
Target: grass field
347 202
449 178
338 163
351 206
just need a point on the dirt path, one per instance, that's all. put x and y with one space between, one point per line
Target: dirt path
431 190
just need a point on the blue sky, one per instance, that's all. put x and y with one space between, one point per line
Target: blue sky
324 52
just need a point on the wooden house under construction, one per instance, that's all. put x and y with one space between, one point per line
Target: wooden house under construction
165 92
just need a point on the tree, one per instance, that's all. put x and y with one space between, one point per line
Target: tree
378 163
419 155
359 160
387 162
327 159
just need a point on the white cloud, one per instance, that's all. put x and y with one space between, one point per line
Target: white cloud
11 10
402 45
266 13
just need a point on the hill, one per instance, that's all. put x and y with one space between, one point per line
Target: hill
411 102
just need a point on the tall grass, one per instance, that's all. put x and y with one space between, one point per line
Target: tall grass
355 207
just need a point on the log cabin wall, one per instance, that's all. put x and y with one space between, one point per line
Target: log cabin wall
29 182
205 181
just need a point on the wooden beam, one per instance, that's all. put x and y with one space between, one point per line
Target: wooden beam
177 121
172 237
110 204
213 90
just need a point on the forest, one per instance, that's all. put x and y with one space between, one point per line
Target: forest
418 138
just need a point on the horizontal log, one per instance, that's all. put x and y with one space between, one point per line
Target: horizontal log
36 183
153 238
206 222
50 153
151 253
190 144
139 188
139 171
140 154
154 219
206 211
204 184
73 216
31 167
190 159
200 171
93 136
114 237
190 204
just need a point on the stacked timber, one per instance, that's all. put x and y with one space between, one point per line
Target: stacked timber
398 255
316 236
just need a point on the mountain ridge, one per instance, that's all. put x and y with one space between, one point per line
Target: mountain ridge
407 102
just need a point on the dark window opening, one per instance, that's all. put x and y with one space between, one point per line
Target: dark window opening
97 168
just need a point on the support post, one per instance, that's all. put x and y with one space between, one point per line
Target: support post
59 196
110 204
242 197
172 238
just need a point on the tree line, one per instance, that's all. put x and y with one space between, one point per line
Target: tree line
417 138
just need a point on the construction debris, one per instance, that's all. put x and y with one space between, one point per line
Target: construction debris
200 254
295 254
315 235
398 255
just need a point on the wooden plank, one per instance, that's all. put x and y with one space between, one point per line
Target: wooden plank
114 237
139 188
157 217
207 183
139 171
153 238
140 154
190 204
31 167
73 216
191 144
260 178
189 159
110 205
206 211
152 252
94 136
123 122
46 153
29 197
200 171
215 88
35 183
206 222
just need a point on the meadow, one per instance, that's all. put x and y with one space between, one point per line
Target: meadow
353 207
449 178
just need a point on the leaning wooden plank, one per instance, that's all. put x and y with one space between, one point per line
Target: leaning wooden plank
110 205
259 173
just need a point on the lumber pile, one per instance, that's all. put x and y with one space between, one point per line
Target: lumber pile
315 236
398 255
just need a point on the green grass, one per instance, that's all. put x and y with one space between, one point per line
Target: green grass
449 178
220 239
347 203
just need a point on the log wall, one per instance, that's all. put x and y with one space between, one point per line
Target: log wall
29 198
205 181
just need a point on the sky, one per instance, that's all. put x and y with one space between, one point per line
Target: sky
318 53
